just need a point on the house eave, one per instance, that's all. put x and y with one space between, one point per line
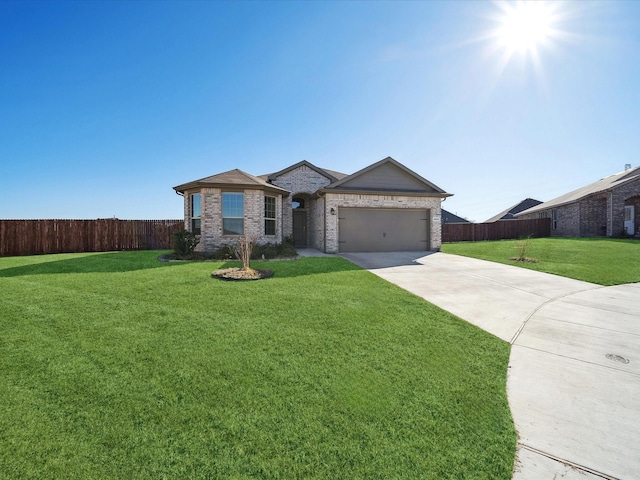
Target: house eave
231 187
541 208
395 193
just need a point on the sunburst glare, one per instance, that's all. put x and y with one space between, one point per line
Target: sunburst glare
524 27
522 30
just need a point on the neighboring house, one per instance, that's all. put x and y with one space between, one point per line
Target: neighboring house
383 207
609 207
510 213
448 217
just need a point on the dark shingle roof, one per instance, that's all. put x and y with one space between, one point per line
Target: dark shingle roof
448 217
510 213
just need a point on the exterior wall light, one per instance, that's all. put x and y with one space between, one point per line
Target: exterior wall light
333 211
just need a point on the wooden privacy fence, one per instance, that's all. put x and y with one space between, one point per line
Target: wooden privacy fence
31 237
500 230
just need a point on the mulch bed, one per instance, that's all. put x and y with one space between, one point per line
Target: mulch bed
524 259
240 274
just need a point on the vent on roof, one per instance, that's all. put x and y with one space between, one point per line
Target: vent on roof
627 166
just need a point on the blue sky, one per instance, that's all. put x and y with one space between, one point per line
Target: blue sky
105 106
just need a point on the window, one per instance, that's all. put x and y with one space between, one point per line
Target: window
195 214
269 215
297 202
554 217
232 213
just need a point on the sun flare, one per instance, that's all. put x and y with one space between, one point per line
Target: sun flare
525 25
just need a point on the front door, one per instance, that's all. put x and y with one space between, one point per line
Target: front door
629 220
300 227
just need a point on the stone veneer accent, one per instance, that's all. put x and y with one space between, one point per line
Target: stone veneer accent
337 200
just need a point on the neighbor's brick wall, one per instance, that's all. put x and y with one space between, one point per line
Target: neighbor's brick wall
622 196
598 214
334 200
593 215
567 222
302 180
635 201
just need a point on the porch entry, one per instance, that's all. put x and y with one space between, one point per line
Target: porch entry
300 219
629 219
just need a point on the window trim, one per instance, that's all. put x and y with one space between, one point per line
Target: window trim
195 219
227 233
270 220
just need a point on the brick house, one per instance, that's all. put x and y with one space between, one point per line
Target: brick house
383 207
609 207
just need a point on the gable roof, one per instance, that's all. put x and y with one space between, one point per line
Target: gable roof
331 175
387 175
510 213
230 179
604 184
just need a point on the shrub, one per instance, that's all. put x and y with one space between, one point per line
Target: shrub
243 249
274 250
523 245
267 251
184 243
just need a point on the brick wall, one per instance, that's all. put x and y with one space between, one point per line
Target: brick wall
302 180
566 222
593 215
623 195
212 236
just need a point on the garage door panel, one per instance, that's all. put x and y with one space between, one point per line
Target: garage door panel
383 230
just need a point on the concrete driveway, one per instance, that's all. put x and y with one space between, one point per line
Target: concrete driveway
574 372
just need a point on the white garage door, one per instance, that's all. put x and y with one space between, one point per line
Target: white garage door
383 230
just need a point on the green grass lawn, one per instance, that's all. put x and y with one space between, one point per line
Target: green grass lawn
604 261
115 365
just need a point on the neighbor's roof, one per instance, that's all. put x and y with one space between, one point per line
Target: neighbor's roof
448 217
604 184
232 178
509 213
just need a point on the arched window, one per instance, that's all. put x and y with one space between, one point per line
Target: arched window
297 202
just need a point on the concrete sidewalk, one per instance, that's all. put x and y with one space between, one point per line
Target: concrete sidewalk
574 372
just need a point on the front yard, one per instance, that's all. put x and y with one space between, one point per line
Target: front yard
604 261
117 366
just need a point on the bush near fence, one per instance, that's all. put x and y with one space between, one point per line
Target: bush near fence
33 237
500 230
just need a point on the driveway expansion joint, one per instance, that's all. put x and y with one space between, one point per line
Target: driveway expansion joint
596 364
548 302
569 463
